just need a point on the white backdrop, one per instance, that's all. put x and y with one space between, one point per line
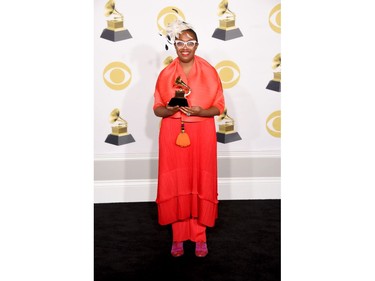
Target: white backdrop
248 102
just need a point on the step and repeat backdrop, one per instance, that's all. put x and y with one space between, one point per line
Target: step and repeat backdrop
240 38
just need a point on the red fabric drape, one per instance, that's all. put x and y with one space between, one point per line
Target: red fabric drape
204 81
187 182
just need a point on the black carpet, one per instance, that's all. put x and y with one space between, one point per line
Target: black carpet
244 245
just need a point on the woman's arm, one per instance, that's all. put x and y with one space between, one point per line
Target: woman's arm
165 111
198 111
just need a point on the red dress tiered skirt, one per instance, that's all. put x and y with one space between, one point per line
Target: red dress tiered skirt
187 180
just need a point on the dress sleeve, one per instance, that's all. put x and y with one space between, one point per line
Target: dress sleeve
219 101
157 97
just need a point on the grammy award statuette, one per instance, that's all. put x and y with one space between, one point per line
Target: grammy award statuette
226 131
181 93
227 29
115 30
119 135
275 83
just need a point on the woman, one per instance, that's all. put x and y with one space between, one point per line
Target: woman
187 194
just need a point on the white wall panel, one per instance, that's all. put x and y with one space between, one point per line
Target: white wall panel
248 102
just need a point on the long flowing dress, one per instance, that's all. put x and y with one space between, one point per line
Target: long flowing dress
187 176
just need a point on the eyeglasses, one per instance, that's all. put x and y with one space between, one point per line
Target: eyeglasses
190 44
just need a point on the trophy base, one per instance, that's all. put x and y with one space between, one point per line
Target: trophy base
226 35
119 140
178 101
274 86
115 36
225 138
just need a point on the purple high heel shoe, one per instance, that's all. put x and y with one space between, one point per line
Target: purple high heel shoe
201 249
177 249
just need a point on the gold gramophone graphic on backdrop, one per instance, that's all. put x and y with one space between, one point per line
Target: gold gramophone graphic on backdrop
167 61
120 134
275 83
226 131
181 93
227 29
115 30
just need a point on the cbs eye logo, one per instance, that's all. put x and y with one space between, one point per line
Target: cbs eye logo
168 15
229 73
274 18
117 75
273 124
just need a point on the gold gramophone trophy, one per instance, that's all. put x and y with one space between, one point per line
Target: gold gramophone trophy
119 133
181 93
227 29
275 83
226 131
115 30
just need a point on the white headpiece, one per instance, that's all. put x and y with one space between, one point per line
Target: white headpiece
174 29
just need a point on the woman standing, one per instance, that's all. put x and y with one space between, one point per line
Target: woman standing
187 195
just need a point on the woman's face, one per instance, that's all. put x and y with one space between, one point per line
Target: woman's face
185 53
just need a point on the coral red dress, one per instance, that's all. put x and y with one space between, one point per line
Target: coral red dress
187 176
